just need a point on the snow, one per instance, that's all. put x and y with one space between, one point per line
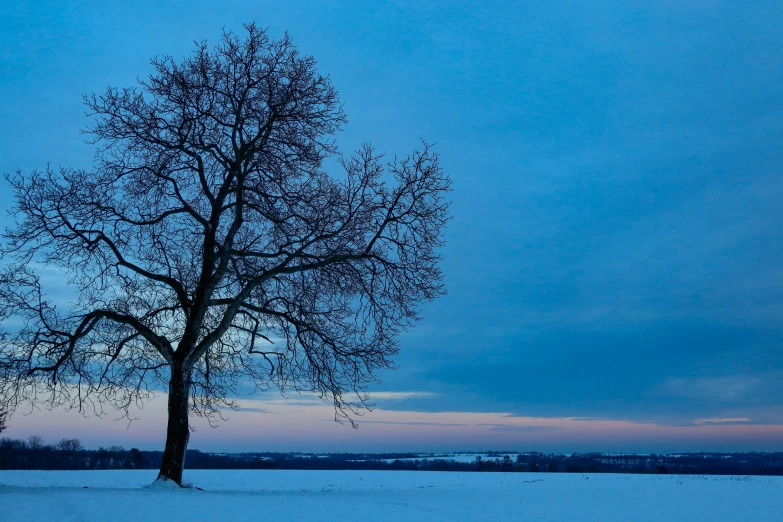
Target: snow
161 484
456 457
381 496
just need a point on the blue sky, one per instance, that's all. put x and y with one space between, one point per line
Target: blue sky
615 249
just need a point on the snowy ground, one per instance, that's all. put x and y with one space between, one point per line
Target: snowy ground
381 496
456 457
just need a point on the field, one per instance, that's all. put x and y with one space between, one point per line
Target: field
381 496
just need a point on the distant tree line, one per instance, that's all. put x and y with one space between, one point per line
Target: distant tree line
69 454
680 464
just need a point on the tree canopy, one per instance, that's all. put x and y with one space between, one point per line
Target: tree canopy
209 246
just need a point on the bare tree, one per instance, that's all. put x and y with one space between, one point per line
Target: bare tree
35 442
71 445
209 247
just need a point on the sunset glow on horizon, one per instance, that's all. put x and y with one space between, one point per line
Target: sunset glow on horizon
307 425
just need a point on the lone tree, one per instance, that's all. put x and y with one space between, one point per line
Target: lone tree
208 247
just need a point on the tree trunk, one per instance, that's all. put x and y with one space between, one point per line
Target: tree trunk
178 431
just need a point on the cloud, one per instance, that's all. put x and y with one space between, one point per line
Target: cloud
520 429
398 396
718 420
730 388
243 409
416 423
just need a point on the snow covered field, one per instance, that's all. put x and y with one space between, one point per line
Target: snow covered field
456 457
380 496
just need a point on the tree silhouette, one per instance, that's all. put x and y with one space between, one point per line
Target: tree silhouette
209 245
